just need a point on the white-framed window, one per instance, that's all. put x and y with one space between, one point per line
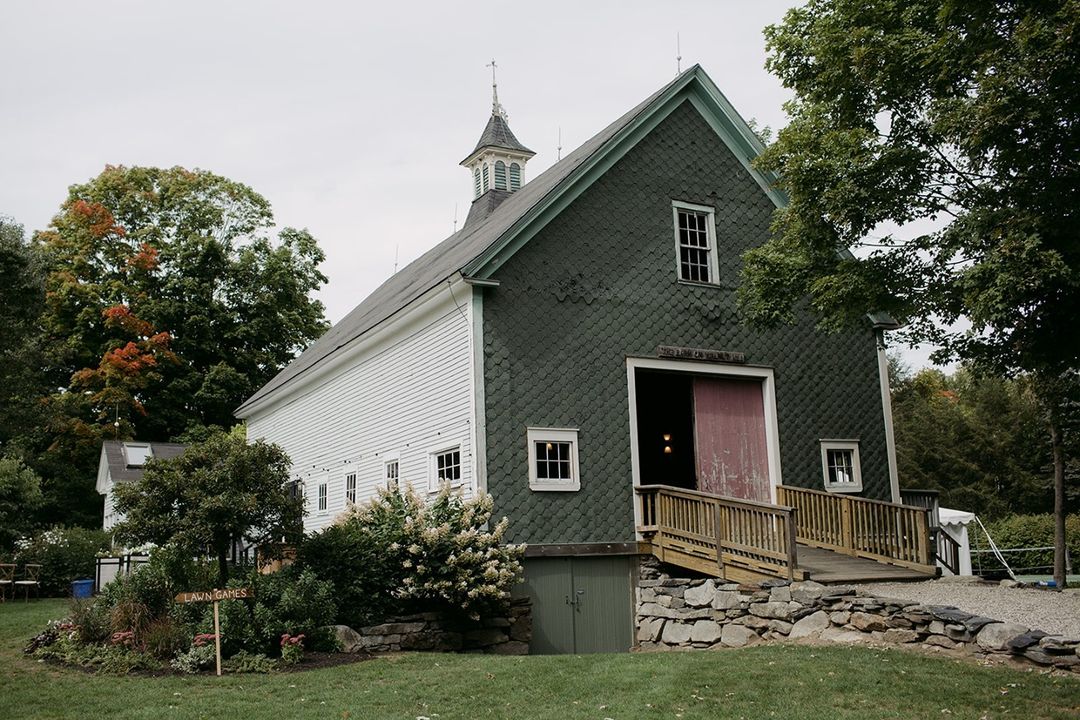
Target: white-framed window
695 242
445 467
553 459
350 488
392 474
840 465
136 455
322 497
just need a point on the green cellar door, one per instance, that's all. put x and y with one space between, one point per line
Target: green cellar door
580 604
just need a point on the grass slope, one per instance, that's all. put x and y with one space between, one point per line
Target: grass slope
777 681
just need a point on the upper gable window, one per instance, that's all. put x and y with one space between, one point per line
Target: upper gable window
695 242
136 456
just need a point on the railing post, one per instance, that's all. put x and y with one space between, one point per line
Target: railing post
792 550
923 541
847 529
718 528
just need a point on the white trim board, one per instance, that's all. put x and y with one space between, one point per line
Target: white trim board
768 392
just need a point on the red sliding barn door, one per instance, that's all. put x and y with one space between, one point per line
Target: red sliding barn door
729 436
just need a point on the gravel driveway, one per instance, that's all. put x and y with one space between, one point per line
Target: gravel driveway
1057 613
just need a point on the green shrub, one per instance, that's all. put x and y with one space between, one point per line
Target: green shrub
65 554
291 601
110 659
196 658
1024 531
92 619
355 555
164 638
245 662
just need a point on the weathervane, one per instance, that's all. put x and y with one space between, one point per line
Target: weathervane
678 55
496 108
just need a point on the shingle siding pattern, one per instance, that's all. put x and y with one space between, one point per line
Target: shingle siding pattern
598 284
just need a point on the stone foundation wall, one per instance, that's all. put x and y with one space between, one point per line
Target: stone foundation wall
435 632
680 612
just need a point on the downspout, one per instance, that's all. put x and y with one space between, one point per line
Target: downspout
886 409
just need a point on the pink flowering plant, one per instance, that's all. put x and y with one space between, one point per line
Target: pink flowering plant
203 639
124 638
292 648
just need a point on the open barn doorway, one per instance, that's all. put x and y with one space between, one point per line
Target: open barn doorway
665 404
703 431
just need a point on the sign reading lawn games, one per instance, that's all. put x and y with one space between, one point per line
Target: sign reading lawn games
216 596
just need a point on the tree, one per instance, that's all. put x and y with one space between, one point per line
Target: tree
20 495
976 439
168 304
956 115
22 294
217 492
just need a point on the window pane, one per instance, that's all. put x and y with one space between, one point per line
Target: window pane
693 246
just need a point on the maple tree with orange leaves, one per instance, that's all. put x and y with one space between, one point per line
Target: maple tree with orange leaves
169 299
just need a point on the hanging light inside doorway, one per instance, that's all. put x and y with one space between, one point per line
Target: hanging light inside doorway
667 447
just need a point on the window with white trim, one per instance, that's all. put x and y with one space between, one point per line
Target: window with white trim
350 488
445 468
840 465
322 497
553 459
390 473
695 242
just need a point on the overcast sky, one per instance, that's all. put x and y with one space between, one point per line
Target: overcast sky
350 119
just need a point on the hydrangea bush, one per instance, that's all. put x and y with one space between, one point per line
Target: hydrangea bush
448 555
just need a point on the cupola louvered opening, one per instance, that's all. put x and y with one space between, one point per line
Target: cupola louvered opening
485 178
500 175
515 177
476 182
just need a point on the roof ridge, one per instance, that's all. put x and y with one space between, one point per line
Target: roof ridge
455 251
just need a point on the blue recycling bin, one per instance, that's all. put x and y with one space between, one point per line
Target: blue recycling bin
82 588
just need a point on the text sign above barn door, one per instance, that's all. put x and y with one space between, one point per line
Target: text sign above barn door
729 438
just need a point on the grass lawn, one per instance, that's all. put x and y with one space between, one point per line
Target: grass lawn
818 683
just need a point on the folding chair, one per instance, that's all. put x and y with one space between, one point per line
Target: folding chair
7 580
31 579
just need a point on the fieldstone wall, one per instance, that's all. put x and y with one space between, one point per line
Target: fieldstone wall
681 612
435 632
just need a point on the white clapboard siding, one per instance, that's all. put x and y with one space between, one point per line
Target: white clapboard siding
403 401
111 516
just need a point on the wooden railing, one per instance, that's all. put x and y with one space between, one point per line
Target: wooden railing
948 550
924 498
874 529
739 540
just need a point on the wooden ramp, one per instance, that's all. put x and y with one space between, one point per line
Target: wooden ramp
829 566
827 537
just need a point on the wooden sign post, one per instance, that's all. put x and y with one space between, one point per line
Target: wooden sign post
216 596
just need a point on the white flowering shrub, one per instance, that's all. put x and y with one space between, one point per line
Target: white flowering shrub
447 552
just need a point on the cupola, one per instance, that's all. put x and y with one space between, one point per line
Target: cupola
497 164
